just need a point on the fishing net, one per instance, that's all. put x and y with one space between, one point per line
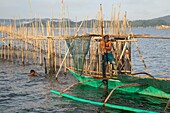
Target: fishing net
78 48
156 84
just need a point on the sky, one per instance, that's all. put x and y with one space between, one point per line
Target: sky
83 9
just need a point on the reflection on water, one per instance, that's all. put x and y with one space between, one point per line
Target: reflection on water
21 93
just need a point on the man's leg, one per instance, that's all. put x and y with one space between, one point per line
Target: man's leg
103 66
114 67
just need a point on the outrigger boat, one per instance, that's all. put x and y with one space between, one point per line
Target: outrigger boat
122 78
156 87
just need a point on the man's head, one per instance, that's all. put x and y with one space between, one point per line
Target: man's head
32 72
106 38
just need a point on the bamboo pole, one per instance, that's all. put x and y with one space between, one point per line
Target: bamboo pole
167 105
55 60
18 51
99 58
45 65
26 47
10 43
52 55
118 22
141 57
122 86
49 53
75 85
34 51
41 54
5 52
2 47
8 47
65 65
22 53
2 51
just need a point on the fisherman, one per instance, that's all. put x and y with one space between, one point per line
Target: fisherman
107 56
33 73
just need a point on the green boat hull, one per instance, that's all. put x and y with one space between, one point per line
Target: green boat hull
112 83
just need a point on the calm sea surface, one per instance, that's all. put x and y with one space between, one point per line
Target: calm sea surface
20 93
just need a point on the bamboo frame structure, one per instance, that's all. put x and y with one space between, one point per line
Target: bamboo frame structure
31 44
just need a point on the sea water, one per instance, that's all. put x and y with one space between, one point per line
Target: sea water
20 93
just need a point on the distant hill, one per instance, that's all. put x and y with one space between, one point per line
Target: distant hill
165 20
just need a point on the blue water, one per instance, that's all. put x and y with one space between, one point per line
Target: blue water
20 93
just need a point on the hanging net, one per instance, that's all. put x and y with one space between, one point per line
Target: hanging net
78 48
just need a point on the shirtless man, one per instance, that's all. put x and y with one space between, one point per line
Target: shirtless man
107 56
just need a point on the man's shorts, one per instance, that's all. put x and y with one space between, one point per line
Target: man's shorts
108 57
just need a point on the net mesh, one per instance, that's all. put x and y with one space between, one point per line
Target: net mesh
78 48
162 85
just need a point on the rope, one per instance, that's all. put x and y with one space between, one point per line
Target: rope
138 50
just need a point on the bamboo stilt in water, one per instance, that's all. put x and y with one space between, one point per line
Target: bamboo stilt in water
34 51
18 52
36 55
14 52
4 52
11 51
66 58
41 54
52 55
8 52
22 47
4 49
1 51
26 47
45 65
55 60
49 53
10 44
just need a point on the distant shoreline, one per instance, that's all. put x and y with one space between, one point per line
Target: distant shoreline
161 21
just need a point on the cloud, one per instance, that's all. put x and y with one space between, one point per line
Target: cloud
136 9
